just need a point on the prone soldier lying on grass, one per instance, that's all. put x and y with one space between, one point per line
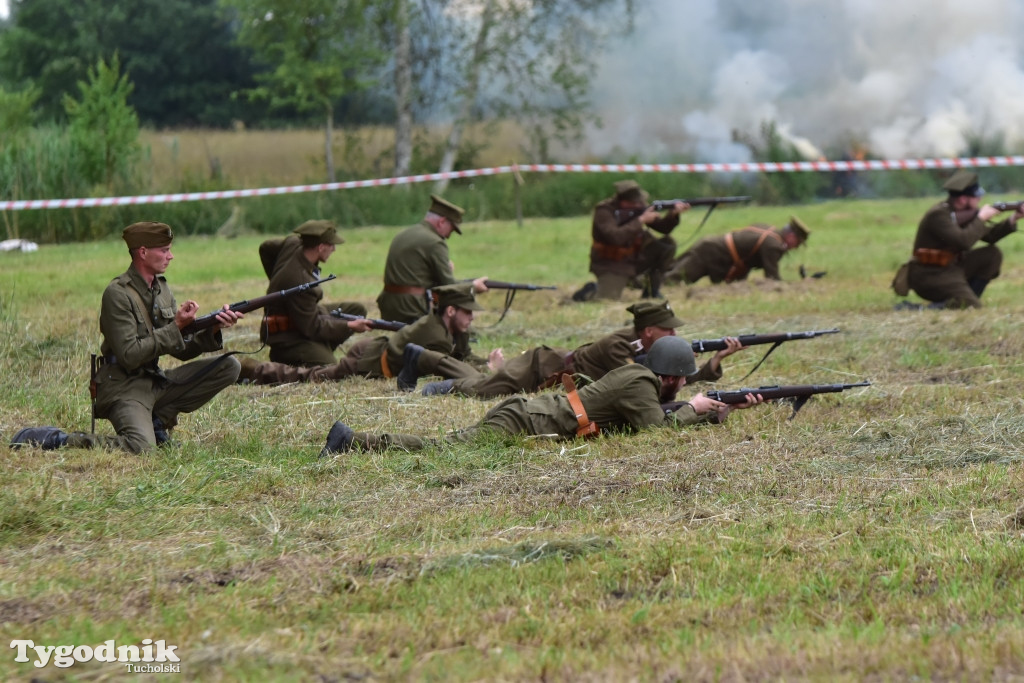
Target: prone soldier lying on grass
628 398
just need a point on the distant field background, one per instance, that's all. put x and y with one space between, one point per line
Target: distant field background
879 535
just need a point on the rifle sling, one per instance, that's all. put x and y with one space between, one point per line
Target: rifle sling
768 353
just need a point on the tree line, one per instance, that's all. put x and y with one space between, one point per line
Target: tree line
272 63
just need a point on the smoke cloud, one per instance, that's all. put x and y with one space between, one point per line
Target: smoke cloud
903 78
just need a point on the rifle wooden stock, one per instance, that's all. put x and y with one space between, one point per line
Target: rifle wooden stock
375 323
701 345
210 319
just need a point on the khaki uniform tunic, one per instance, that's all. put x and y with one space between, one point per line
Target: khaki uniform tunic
939 229
137 323
620 252
711 258
530 370
417 257
313 333
626 399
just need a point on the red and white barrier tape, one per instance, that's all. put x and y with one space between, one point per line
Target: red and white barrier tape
745 167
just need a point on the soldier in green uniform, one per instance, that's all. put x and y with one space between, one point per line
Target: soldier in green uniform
623 246
418 260
299 329
731 257
537 368
627 399
435 344
140 322
944 269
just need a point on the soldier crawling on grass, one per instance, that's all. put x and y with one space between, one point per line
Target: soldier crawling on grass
627 399
140 322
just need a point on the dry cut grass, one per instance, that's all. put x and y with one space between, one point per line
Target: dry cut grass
876 536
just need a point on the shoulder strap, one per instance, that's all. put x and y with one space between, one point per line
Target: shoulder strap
134 294
586 427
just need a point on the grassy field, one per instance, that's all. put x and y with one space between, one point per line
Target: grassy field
879 535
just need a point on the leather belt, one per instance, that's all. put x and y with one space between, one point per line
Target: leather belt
405 289
934 257
278 323
586 427
611 252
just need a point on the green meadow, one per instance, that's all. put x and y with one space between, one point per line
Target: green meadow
877 535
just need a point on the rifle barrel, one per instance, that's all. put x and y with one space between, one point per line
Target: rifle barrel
210 319
701 345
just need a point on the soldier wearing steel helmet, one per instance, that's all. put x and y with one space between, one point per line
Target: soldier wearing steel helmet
945 269
731 257
299 329
627 399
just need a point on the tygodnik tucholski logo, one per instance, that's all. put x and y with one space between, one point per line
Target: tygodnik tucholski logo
152 656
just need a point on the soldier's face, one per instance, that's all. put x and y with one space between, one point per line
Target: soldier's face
156 259
670 387
324 251
653 333
461 319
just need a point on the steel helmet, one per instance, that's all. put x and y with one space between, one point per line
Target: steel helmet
671 356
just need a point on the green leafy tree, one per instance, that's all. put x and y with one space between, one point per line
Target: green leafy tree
104 126
317 51
181 55
779 188
529 61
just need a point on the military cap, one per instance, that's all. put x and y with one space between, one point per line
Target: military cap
460 295
325 231
964 182
148 234
629 190
654 314
799 228
443 207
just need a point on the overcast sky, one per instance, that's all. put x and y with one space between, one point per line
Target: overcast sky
909 78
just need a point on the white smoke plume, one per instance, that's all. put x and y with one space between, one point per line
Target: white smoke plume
903 78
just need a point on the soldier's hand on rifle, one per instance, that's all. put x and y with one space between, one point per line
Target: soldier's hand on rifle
360 325
495 360
732 346
226 318
987 212
649 215
480 285
679 208
186 314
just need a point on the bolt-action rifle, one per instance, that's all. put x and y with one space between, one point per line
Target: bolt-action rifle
210 319
375 323
775 339
626 215
511 289
1007 206
799 394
